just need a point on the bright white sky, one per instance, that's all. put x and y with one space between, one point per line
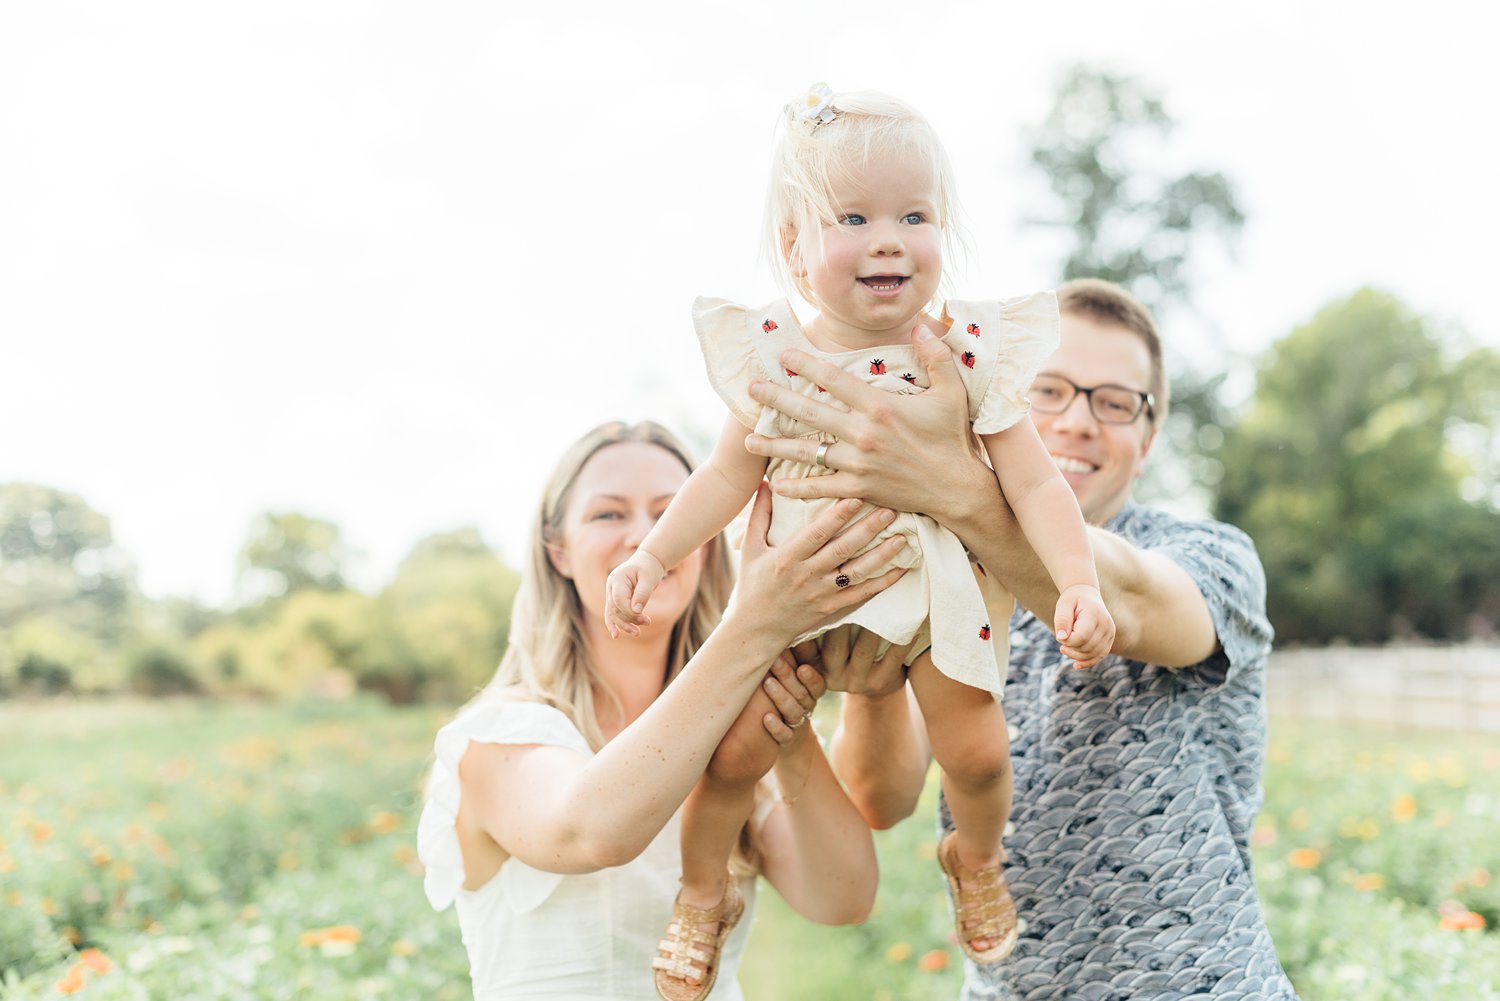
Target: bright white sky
380 263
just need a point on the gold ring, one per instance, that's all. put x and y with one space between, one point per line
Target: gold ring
801 721
842 580
820 458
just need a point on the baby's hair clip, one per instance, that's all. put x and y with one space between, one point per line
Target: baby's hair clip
814 107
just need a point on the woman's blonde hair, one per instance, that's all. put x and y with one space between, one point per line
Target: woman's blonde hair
547 659
813 156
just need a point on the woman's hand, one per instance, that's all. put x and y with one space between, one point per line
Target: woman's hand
879 435
816 574
795 692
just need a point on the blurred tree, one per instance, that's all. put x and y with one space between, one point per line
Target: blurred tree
58 558
444 620
290 552
1364 469
1135 224
1129 225
310 643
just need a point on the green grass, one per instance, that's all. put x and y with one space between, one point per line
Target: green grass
265 852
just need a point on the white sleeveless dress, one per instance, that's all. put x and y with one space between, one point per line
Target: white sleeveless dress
534 935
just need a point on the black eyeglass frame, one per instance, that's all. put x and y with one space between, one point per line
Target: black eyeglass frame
1146 404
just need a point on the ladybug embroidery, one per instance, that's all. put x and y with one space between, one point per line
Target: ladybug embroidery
768 326
791 373
909 377
877 366
968 358
984 631
973 328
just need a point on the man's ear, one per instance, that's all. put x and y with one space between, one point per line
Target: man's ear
1140 463
558 557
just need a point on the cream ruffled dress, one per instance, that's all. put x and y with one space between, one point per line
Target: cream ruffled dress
960 613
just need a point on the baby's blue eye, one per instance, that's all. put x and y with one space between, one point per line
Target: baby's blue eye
852 220
914 219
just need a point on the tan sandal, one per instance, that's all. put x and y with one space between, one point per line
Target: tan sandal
982 905
688 940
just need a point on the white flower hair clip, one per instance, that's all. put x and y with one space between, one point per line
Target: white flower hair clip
816 106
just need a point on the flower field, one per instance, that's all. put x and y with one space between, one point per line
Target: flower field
180 850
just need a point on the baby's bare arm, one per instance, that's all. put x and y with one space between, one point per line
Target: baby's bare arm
709 500
1043 503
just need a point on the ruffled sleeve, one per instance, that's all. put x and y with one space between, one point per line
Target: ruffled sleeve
1027 336
740 345
488 723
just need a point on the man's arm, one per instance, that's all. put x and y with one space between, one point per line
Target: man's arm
1160 616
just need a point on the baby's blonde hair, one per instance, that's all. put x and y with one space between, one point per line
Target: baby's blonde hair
812 156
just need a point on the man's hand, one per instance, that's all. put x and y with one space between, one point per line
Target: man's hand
848 661
1083 625
906 452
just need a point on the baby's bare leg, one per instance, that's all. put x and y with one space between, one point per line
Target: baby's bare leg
967 731
722 802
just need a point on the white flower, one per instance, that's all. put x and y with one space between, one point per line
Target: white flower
816 106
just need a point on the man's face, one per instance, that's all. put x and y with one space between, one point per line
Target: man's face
1100 461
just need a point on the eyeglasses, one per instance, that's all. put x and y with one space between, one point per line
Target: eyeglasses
1052 394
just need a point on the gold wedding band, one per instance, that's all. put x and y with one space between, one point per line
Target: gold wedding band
820 458
801 721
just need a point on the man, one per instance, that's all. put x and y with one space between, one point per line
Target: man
1136 781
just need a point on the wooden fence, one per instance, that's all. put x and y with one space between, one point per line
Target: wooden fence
1432 686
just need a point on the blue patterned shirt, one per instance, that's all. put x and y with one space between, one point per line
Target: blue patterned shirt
1135 790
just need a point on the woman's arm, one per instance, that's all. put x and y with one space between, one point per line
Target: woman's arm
561 811
818 850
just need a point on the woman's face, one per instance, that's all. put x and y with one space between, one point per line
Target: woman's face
616 499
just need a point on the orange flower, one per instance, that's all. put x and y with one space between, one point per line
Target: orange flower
1369 881
1467 921
1304 858
41 832
898 953
1404 809
322 936
95 960
384 822
100 857
72 981
934 961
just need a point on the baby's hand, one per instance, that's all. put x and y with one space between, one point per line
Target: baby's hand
1084 626
629 587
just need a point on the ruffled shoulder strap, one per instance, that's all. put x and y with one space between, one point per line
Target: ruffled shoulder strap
487 723
1002 345
741 344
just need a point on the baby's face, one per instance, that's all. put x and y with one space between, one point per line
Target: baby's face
875 268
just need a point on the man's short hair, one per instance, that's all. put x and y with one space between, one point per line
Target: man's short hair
1106 302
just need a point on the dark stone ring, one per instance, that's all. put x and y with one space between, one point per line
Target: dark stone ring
842 580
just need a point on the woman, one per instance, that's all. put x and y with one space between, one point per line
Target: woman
552 809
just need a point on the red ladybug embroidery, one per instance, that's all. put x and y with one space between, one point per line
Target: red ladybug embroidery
909 377
984 631
768 326
877 366
973 328
968 358
791 373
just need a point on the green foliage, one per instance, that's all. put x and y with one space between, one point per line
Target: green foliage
58 558
290 552
444 619
1344 471
311 643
